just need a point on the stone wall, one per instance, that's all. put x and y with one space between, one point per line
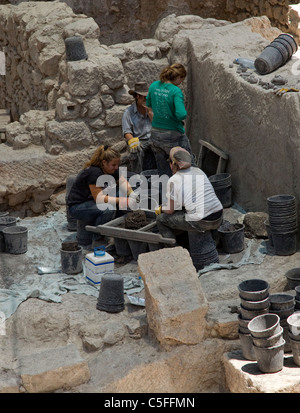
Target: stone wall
124 21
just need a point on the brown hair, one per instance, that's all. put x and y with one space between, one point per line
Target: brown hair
172 72
102 153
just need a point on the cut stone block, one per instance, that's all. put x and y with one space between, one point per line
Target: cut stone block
244 376
175 304
53 369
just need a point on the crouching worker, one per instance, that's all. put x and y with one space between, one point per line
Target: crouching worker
99 190
192 202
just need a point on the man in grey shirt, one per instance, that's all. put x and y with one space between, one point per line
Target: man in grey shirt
136 127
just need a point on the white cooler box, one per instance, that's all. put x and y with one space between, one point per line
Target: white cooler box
96 264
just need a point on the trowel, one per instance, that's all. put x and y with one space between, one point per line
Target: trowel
47 270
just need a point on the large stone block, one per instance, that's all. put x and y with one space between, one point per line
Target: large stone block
175 303
84 78
53 369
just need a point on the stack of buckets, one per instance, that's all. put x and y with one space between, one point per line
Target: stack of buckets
268 342
202 248
222 186
283 305
283 223
293 322
254 296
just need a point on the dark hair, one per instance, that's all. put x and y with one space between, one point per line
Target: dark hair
172 72
103 153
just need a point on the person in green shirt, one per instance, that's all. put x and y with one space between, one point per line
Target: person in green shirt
166 100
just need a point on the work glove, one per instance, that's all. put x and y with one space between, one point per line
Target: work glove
158 210
282 91
133 200
133 144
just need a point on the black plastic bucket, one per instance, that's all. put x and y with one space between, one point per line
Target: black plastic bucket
285 243
232 237
222 186
111 294
5 221
75 49
276 54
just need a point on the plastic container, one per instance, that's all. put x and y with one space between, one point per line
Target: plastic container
264 326
111 294
15 238
75 49
254 289
98 263
293 277
232 238
71 261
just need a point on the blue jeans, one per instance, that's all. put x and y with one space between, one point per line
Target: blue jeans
162 141
89 213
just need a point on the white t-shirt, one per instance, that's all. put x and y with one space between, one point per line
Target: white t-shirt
190 188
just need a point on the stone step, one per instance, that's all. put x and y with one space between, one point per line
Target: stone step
53 369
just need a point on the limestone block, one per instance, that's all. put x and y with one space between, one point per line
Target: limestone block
175 304
122 96
53 369
16 199
72 135
49 60
86 28
114 115
144 68
83 77
244 376
66 109
94 107
112 71
108 101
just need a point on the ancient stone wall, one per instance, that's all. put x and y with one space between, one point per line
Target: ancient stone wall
124 21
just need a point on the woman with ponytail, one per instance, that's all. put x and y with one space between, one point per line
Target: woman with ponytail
99 189
167 102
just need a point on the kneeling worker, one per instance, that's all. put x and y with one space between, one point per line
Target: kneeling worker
192 202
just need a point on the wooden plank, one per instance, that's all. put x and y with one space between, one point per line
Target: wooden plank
214 149
130 234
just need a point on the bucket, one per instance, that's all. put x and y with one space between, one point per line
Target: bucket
232 237
15 238
270 359
254 289
293 277
293 322
247 346
111 294
280 302
265 325
222 186
75 49
276 54
255 305
285 243
5 221
202 249
271 341
71 261
295 347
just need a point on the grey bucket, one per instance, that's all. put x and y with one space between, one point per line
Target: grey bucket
71 261
285 243
276 54
75 49
15 238
270 359
5 221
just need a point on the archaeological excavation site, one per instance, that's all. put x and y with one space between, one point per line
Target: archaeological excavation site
212 311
